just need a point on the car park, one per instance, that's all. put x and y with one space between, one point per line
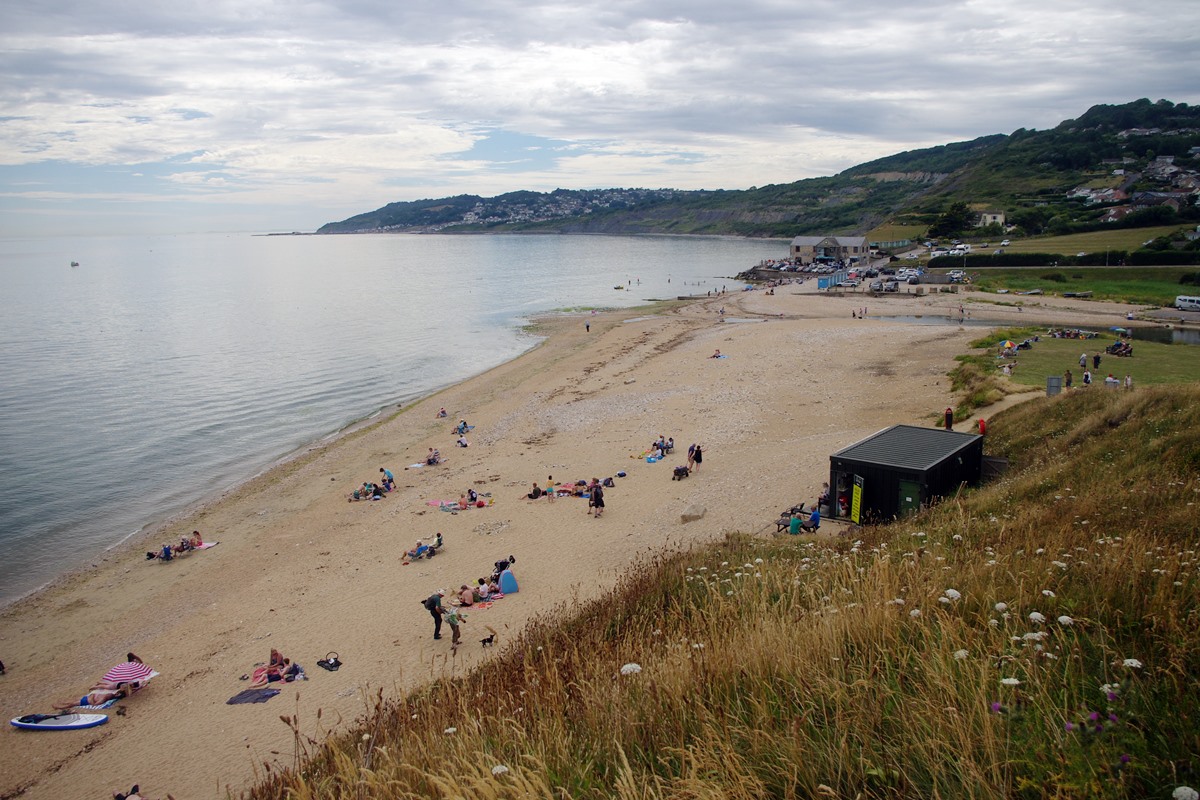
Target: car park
891 286
876 286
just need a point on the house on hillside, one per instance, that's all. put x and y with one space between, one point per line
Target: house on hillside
1116 213
828 249
1175 200
990 218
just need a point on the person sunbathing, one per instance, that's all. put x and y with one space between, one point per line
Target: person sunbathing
276 669
101 693
465 596
195 541
419 549
463 502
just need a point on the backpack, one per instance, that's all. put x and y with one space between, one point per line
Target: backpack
431 603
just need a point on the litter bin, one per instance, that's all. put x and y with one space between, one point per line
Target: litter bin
1053 385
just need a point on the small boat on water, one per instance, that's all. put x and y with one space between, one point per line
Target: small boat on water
619 288
74 263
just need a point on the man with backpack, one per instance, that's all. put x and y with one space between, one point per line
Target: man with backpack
433 604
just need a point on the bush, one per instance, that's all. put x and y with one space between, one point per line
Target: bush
1057 277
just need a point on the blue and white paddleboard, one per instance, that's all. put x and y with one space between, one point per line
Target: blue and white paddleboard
59 722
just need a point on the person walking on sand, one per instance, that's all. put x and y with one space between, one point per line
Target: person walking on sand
597 498
454 618
587 326
697 458
433 604
691 456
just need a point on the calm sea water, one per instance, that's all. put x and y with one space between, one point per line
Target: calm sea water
164 369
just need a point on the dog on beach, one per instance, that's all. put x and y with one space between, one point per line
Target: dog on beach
490 639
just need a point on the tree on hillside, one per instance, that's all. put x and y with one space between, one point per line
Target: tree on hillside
956 219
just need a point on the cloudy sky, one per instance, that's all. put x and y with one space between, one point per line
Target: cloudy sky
269 116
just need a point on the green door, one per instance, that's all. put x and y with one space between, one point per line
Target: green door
910 497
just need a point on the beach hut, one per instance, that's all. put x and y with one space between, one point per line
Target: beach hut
900 469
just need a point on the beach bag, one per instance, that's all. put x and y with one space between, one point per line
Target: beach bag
330 662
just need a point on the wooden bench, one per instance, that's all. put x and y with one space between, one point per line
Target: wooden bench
785 518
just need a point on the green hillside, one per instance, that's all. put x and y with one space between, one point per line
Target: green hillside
1027 175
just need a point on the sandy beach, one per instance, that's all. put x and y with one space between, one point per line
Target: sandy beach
300 569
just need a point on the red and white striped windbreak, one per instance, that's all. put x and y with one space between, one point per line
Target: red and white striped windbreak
129 671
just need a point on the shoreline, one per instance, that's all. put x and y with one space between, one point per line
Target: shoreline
297 562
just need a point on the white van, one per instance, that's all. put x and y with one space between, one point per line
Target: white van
1186 303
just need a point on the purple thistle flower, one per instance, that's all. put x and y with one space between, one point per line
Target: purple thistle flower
997 708
1070 726
1112 696
1112 717
1095 715
1125 758
1099 729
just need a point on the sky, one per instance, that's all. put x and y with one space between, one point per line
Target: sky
259 115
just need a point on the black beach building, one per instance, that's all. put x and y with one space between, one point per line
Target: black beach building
898 470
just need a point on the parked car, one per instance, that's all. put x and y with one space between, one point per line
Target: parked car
891 286
1005 243
876 286
913 280
848 284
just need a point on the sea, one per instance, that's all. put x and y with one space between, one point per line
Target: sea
163 370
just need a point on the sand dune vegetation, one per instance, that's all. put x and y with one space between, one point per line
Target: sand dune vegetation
1037 637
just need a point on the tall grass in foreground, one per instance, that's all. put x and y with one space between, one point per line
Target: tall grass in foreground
1035 638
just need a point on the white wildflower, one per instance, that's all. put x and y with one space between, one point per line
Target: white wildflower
499 770
1065 621
1036 618
957 537
945 600
952 594
1001 606
1132 663
758 561
1010 682
631 669
1185 793
916 612
961 654
994 623
1047 593
450 731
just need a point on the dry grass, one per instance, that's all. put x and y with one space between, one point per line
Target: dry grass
869 667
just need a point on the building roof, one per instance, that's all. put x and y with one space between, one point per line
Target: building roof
908 447
841 241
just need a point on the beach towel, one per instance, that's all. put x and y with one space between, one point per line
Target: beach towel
415 466
206 545
251 696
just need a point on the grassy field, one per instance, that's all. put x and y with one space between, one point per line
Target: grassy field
1032 638
892 233
1157 286
1151 364
1095 242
